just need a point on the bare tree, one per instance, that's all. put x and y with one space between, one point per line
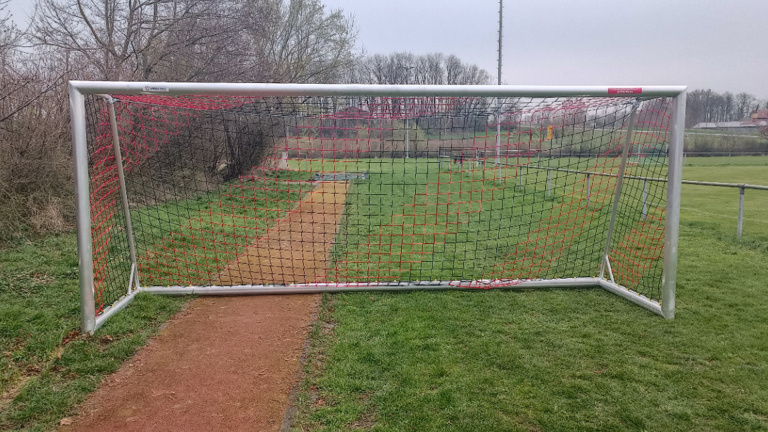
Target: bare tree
9 35
710 106
728 106
137 39
405 67
35 173
743 103
297 40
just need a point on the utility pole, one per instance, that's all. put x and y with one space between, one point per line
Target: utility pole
407 114
498 100
501 22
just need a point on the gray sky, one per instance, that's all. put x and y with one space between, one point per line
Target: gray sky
714 44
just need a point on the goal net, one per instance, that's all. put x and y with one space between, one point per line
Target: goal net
239 189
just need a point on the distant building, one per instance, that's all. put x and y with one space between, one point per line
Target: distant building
760 115
759 120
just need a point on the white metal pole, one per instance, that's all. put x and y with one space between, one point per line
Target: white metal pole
123 192
645 198
407 135
619 183
83 205
672 231
741 212
580 282
267 89
501 33
549 182
498 100
498 137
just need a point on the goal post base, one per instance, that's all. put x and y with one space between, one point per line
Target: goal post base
313 288
632 296
317 288
112 310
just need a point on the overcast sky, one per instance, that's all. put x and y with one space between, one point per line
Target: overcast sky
718 44
714 44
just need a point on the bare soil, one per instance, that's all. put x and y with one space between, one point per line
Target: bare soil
296 249
228 363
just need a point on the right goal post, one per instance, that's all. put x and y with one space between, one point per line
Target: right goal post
237 189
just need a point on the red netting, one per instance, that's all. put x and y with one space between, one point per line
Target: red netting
349 190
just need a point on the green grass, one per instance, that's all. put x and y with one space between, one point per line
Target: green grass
44 363
229 218
725 161
410 220
716 208
558 359
552 360
532 360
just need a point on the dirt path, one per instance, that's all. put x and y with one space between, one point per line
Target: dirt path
228 363
296 249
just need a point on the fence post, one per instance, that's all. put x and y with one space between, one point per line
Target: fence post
645 198
589 188
407 136
549 182
741 212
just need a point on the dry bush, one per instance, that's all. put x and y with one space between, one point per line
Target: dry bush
212 148
36 191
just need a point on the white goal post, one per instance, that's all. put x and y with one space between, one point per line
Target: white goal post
239 189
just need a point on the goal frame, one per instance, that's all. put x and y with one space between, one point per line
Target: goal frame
79 89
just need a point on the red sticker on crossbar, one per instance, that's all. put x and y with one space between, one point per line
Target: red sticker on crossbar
625 90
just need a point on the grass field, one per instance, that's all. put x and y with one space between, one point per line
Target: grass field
423 219
533 360
554 360
717 208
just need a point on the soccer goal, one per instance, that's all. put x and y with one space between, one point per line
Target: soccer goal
235 189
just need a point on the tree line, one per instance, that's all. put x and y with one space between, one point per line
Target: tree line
711 106
409 68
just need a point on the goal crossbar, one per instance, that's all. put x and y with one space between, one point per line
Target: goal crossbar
270 89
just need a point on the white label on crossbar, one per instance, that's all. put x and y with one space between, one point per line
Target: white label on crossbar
625 90
149 89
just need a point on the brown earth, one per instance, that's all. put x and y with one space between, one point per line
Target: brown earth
296 248
228 363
